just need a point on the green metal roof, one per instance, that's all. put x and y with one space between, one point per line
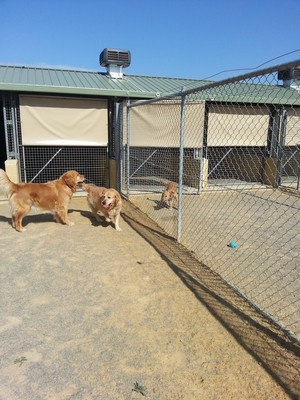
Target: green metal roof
46 80
59 81
250 93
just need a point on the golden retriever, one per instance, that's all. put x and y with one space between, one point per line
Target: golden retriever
52 196
169 193
108 201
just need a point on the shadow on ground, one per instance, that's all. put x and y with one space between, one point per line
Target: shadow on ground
48 217
272 348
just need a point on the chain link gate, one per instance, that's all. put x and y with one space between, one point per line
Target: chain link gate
232 147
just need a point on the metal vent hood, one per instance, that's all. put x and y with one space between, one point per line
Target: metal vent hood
290 78
115 60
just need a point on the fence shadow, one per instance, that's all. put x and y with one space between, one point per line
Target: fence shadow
271 347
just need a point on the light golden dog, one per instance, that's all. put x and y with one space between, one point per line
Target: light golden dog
52 196
108 201
169 194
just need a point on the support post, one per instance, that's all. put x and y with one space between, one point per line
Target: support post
281 146
270 158
118 143
127 147
203 174
181 148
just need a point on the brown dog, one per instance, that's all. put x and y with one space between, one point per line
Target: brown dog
108 201
52 196
169 193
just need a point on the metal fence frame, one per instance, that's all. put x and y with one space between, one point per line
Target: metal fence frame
125 176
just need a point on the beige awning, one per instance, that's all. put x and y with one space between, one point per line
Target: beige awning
293 127
60 121
158 125
230 125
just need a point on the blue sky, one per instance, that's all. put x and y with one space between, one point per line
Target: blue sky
186 39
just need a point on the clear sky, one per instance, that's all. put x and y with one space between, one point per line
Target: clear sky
173 38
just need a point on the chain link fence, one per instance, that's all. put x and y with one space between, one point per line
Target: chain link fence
233 149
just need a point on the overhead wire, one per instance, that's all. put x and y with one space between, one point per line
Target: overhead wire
252 68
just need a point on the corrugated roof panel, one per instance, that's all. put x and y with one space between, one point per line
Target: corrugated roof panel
47 78
80 79
166 85
99 80
61 77
56 81
84 82
254 93
7 75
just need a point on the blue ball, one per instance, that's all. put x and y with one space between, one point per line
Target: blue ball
232 245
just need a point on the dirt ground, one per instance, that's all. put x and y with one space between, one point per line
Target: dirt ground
88 313
263 222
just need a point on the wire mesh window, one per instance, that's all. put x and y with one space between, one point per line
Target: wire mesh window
146 166
235 164
41 164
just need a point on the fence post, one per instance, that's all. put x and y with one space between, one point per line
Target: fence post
118 143
281 148
127 145
204 148
181 148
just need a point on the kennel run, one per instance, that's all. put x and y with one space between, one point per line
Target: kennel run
231 146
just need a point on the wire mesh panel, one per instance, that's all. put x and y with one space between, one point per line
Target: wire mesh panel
41 164
11 119
232 148
8 117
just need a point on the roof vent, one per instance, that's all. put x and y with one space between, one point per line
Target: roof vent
115 60
290 78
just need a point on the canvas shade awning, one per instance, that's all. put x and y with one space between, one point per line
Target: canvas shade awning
62 121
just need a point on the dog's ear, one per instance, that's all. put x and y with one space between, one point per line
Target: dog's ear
102 194
117 199
69 178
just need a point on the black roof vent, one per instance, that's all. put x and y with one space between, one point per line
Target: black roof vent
114 60
290 77
116 57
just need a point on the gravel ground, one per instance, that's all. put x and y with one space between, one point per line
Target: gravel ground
88 313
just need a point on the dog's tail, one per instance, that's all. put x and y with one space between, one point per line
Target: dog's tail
84 186
6 184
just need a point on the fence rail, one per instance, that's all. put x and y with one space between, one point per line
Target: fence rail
233 149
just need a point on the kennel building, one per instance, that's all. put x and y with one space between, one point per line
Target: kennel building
54 120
